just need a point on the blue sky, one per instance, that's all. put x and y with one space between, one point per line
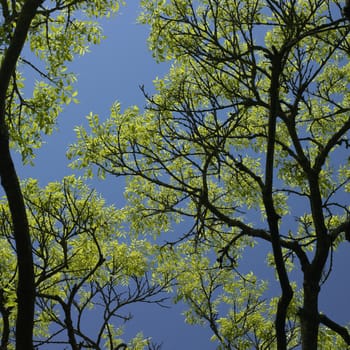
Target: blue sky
114 71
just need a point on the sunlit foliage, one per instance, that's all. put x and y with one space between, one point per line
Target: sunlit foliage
244 141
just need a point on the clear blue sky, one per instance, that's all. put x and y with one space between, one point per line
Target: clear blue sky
114 71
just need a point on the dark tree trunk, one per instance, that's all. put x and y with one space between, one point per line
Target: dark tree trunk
272 217
10 183
309 318
26 286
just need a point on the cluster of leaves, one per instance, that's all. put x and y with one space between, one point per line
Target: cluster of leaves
83 267
59 31
86 265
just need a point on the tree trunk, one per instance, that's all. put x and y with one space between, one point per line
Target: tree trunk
309 314
26 284
10 183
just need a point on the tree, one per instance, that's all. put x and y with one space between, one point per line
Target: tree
47 280
83 268
248 130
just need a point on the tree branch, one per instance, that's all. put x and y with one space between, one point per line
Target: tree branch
343 227
342 331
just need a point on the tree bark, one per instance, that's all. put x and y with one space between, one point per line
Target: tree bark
25 284
309 317
10 183
272 217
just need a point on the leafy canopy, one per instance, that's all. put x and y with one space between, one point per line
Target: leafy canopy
59 31
83 266
244 141
63 249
